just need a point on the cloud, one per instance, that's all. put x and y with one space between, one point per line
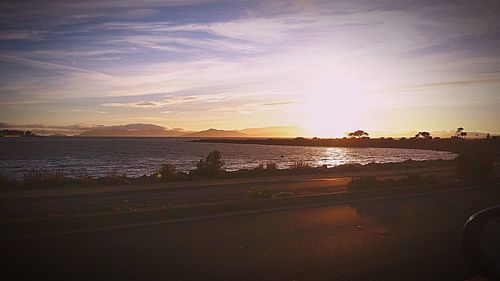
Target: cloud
54 66
278 103
74 127
142 104
9 35
254 56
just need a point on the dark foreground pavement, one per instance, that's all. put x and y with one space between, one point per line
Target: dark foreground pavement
409 238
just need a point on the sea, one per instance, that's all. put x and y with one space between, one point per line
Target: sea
78 156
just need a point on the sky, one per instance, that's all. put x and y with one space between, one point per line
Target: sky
327 66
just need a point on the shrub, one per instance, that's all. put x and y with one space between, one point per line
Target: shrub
260 167
283 194
7 181
211 165
255 193
474 165
352 167
113 177
299 165
362 183
271 166
166 172
124 206
44 177
85 180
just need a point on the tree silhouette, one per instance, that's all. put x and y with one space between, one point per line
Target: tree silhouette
460 133
424 135
358 134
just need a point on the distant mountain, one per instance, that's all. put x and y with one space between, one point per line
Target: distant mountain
276 131
132 130
214 133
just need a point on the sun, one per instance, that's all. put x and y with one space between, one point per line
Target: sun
332 108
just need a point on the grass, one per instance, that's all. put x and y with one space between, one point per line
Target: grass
300 165
113 177
259 193
44 177
6 181
370 183
124 206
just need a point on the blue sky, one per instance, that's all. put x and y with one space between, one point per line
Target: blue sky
328 66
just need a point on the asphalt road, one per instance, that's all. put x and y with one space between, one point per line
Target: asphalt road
411 238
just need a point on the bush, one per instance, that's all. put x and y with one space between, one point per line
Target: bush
255 193
363 183
474 165
300 165
124 206
44 177
85 180
260 167
166 172
211 165
6 181
271 166
113 178
349 167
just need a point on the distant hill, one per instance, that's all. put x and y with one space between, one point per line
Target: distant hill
214 133
276 131
132 130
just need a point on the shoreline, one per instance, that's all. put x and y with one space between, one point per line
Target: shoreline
43 179
453 145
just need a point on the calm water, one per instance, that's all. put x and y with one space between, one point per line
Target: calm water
139 156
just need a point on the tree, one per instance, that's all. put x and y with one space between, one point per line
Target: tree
460 133
424 135
211 164
358 134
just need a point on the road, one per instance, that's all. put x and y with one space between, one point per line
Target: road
407 238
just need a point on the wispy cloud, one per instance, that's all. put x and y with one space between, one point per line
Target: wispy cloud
245 59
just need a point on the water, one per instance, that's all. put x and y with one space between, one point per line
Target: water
139 156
